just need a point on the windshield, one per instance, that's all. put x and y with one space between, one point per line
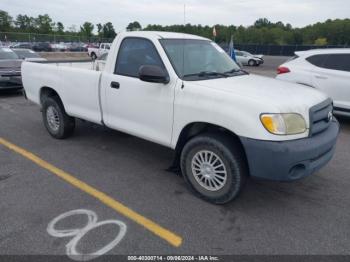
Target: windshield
197 59
26 53
7 53
246 53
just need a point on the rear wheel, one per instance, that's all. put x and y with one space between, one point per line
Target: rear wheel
57 122
93 56
214 166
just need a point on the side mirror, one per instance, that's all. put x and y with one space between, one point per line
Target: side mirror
153 74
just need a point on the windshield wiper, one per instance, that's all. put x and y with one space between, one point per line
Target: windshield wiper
235 71
207 73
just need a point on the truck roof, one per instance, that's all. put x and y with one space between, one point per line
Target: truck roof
160 35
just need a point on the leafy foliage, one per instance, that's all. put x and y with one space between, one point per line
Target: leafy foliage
134 26
87 29
263 31
335 32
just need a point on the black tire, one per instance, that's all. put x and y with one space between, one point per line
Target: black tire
93 56
64 123
251 62
232 157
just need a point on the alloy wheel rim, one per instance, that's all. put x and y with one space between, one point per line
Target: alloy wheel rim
53 118
209 170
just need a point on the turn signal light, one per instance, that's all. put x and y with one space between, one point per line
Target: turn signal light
282 70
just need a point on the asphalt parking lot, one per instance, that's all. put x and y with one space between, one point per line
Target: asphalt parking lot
269 68
122 178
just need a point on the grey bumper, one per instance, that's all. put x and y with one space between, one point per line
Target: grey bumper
290 160
10 82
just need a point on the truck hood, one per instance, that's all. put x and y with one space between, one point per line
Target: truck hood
284 96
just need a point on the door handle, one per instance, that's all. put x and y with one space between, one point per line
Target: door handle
115 85
321 77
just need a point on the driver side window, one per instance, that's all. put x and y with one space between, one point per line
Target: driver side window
134 53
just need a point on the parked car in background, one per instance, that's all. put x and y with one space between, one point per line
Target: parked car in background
10 69
22 45
28 55
95 53
246 58
327 70
77 47
42 47
99 63
91 45
59 47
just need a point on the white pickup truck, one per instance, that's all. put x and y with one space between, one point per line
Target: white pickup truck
95 53
184 92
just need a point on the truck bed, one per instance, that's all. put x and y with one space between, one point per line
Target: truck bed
83 64
75 81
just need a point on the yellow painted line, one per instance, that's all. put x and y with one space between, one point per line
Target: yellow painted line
156 229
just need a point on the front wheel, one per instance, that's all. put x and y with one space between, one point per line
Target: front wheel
57 122
214 166
93 56
251 62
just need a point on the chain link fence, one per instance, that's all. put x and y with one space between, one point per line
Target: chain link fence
7 38
278 50
15 37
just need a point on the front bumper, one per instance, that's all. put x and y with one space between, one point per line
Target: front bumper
10 82
290 160
260 61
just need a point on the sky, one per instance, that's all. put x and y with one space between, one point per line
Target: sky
166 12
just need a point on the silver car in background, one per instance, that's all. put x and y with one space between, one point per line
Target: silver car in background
248 59
28 55
10 69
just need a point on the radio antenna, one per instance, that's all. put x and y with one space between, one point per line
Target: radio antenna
183 49
184 14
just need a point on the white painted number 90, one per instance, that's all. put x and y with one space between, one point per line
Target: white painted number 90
78 233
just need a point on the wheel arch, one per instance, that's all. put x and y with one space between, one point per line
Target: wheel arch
47 91
196 128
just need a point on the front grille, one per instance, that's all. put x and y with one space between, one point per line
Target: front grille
320 117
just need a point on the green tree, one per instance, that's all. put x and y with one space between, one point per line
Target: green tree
99 29
60 28
321 41
22 22
5 21
86 29
108 30
263 31
134 26
262 22
44 24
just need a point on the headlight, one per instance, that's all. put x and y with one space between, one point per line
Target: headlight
283 124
